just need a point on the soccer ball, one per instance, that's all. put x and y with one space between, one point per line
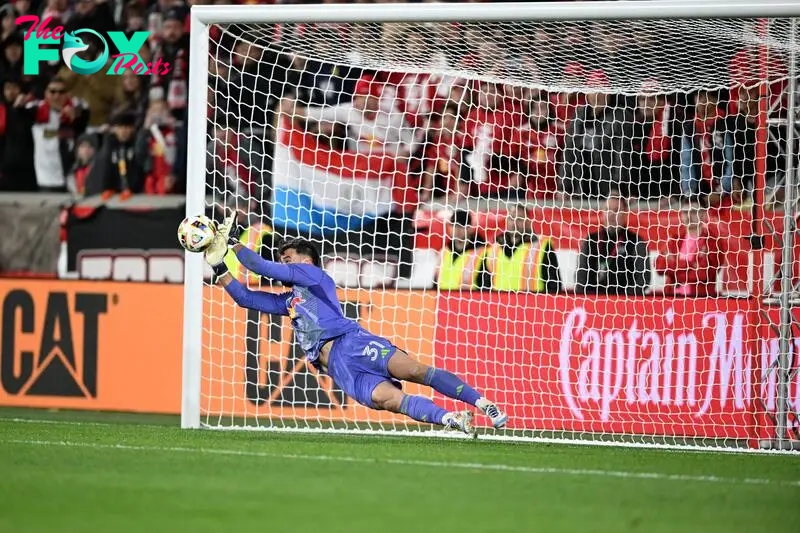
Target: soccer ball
196 233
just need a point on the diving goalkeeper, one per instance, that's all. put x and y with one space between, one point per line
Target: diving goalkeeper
367 367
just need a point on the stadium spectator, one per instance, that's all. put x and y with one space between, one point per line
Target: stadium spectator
131 94
442 162
744 125
96 15
157 13
692 260
650 153
11 60
487 133
57 121
566 104
156 141
85 150
716 158
117 167
133 19
511 173
319 82
97 90
173 48
535 144
229 176
8 27
256 83
370 129
415 93
258 78
456 91
613 260
181 155
521 261
21 8
57 10
462 258
591 164
16 168
747 68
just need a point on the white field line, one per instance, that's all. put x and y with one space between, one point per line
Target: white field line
507 439
61 422
496 467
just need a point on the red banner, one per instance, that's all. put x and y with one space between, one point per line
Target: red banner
769 346
655 366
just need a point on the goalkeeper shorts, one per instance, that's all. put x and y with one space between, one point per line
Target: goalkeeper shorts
358 362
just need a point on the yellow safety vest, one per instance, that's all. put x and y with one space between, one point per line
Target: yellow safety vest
460 272
523 271
252 238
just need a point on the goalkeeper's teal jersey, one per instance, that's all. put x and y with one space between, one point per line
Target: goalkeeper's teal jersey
312 304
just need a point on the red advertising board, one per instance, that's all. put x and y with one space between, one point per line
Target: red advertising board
654 366
769 348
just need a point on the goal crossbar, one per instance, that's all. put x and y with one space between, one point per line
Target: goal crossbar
491 12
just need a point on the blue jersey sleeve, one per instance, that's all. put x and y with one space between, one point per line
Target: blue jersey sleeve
266 302
300 275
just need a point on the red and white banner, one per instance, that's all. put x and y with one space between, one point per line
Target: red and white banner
647 366
321 189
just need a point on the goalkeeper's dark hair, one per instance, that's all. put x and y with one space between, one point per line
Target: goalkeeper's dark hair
302 247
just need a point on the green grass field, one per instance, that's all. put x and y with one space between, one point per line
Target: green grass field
65 472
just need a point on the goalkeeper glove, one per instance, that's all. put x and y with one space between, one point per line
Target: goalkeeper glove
215 255
227 233
230 230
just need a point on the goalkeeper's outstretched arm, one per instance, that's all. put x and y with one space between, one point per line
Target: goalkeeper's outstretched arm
289 274
300 275
274 304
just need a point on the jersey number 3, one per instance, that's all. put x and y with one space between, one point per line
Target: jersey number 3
370 351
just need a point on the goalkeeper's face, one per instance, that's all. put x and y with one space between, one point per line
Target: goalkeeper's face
292 257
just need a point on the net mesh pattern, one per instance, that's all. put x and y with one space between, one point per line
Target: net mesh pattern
682 54
472 190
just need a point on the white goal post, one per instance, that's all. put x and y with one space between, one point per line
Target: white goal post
690 356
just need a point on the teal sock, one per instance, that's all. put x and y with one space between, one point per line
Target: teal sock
422 409
451 385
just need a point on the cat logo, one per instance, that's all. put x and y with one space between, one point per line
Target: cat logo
55 355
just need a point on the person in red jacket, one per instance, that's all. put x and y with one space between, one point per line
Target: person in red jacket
693 259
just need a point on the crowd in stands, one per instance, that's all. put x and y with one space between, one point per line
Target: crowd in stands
613 260
95 134
458 136
453 137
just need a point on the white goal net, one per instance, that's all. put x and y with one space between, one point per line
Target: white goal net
579 218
